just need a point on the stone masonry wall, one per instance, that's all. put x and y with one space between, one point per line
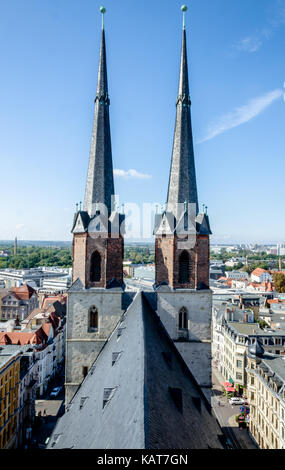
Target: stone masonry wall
196 351
82 346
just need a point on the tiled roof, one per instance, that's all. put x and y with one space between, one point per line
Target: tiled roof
258 272
24 337
24 292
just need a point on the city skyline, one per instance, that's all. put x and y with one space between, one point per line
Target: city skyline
237 120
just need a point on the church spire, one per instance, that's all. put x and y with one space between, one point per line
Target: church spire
100 180
182 185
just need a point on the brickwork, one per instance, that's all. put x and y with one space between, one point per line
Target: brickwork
167 255
111 251
164 253
203 260
79 256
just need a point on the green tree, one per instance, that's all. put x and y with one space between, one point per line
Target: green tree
279 282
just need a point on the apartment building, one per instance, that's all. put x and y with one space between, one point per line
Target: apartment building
18 303
238 337
266 395
9 395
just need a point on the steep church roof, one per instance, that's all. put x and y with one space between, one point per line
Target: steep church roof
182 185
139 394
100 180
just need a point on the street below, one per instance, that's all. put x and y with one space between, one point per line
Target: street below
237 438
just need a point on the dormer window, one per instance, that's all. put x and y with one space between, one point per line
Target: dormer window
108 395
115 357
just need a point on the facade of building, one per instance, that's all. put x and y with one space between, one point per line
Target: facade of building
9 397
32 276
18 303
236 275
260 275
238 337
266 395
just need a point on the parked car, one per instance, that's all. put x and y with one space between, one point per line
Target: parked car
55 392
236 401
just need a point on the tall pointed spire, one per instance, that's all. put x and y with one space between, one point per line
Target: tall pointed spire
182 185
100 180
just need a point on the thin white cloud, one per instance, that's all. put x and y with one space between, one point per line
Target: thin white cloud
242 114
130 174
275 20
249 44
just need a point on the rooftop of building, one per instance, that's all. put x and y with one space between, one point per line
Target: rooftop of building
276 364
139 393
253 329
6 355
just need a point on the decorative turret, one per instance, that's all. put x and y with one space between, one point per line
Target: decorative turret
256 349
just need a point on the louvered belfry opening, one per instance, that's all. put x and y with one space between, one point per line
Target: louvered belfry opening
184 263
95 274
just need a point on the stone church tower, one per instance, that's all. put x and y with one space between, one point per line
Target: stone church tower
184 300
181 297
95 298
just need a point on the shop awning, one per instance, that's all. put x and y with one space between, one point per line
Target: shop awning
230 389
226 384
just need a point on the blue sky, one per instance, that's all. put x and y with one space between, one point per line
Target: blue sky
49 53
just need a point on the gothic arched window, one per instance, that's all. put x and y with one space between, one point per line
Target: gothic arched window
183 319
95 271
184 268
93 319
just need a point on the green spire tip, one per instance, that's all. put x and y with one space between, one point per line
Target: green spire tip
103 11
184 9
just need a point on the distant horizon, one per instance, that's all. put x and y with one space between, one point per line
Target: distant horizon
142 242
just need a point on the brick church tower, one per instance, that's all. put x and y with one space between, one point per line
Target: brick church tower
95 302
184 300
182 234
98 247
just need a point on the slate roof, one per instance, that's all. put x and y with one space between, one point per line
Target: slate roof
254 329
276 365
182 184
155 401
100 180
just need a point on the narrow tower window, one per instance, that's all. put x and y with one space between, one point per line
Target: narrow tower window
184 268
93 319
183 319
95 273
